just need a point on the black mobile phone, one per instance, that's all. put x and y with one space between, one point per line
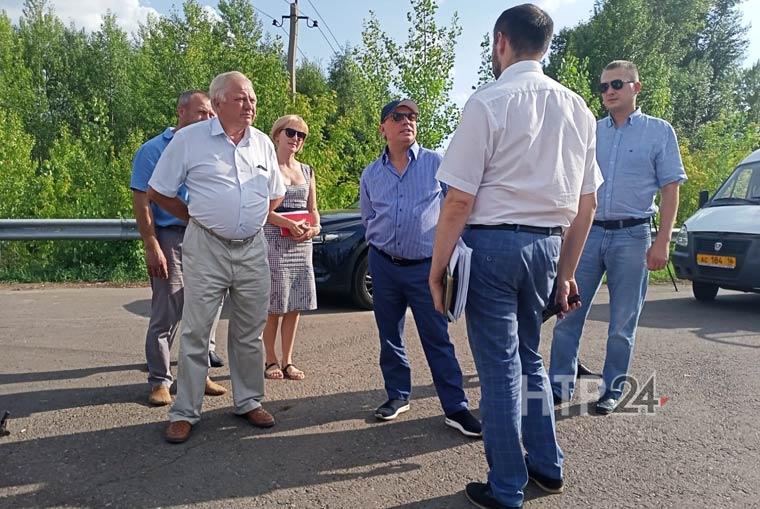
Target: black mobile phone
555 308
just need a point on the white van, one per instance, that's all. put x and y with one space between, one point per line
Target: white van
719 246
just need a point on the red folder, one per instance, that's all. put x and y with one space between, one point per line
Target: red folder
296 216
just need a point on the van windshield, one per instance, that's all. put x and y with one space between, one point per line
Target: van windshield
741 188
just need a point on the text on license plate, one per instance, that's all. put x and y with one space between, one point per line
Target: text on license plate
708 260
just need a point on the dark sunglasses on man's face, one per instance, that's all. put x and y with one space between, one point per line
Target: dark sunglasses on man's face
615 84
397 116
292 132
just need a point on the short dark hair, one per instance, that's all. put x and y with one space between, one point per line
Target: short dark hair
527 27
184 97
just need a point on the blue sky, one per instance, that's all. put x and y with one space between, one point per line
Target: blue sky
344 19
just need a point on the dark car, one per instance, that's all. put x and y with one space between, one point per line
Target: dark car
340 257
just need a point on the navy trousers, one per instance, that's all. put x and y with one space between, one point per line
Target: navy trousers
394 289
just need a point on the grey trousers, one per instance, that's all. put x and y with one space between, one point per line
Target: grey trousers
166 309
211 268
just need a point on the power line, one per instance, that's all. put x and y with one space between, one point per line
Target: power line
262 12
280 26
327 41
326 25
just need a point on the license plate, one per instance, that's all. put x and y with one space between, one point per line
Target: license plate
724 262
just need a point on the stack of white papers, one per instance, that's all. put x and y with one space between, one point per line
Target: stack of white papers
457 280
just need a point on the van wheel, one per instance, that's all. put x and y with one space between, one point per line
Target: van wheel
361 285
704 291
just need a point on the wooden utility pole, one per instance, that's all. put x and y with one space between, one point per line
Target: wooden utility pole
293 41
292 45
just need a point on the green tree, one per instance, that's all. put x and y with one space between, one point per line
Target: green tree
421 68
621 29
43 45
688 53
15 78
722 143
748 93
110 60
485 70
574 74
17 168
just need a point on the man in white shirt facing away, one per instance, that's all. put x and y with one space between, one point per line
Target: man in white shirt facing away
521 171
231 174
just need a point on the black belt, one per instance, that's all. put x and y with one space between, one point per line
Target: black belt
543 230
403 262
621 223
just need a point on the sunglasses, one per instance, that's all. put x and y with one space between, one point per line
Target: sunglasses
398 116
615 84
292 132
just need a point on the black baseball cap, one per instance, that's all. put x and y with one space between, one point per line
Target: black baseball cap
391 107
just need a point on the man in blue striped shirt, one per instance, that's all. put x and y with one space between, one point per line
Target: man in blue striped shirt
400 202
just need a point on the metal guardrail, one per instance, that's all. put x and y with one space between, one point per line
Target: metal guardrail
68 229
88 229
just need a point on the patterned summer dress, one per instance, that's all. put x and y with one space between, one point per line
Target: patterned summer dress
290 262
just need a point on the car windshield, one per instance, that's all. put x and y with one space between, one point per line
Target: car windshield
741 188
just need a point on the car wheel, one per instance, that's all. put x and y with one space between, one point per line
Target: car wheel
704 291
361 285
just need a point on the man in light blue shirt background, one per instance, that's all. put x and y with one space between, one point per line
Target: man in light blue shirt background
400 202
162 235
638 155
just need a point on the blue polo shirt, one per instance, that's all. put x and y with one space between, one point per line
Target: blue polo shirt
143 165
400 212
637 159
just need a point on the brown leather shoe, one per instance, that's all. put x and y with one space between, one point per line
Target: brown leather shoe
159 396
259 418
178 432
213 388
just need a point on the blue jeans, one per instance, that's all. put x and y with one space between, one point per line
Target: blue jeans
510 281
622 255
394 289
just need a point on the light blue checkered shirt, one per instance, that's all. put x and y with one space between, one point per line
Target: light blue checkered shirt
637 159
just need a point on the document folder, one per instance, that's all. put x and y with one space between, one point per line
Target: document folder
297 215
456 281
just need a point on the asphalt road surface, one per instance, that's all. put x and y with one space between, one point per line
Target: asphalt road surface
83 435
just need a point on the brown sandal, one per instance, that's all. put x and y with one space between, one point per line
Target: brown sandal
287 372
273 372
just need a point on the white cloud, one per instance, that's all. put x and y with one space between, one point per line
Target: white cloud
88 14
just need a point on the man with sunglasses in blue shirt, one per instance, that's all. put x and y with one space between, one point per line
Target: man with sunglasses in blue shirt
638 155
400 201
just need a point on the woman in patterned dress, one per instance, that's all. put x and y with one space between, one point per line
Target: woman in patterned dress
293 286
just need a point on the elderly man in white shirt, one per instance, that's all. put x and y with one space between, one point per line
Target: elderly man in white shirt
521 169
231 173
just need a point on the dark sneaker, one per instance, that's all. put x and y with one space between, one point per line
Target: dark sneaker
547 484
465 422
480 495
391 408
214 360
584 372
606 405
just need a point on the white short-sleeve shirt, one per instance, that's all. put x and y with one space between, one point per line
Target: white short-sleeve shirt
525 148
229 186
